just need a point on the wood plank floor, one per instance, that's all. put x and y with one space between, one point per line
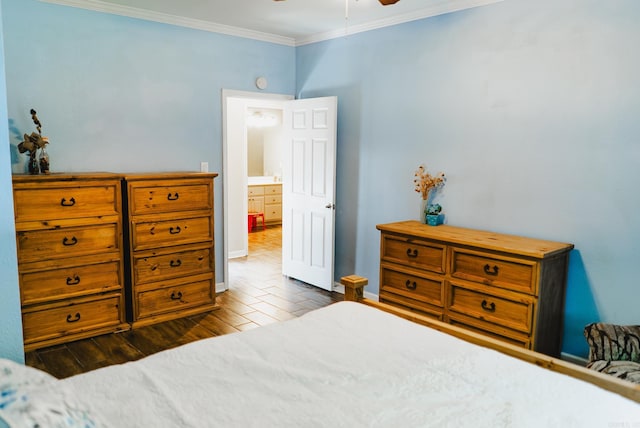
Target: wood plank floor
258 295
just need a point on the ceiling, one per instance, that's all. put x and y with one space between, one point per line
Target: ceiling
290 22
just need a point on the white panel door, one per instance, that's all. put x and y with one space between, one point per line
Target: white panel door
308 190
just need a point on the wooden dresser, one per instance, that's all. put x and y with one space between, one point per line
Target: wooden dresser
70 253
505 286
266 198
170 236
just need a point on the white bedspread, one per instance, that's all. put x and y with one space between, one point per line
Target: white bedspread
346 365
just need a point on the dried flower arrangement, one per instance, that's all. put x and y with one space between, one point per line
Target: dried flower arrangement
34 142
425 182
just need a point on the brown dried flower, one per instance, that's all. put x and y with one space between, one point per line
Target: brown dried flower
425 182
34 141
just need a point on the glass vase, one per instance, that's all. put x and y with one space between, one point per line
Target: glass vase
423 211
32 164
44 161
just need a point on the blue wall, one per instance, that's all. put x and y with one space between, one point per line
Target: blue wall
10 319
530 108
120 94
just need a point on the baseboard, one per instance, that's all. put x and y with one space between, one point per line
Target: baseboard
220 287
237 254
574 359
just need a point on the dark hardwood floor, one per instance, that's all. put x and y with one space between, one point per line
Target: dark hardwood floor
258 295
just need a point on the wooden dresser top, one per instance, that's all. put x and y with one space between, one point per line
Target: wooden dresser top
519 245
70 176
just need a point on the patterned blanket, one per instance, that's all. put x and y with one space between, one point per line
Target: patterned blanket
614 349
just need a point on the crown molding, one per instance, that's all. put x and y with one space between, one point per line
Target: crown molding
165 18
444 6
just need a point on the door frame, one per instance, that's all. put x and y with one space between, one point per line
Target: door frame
253 99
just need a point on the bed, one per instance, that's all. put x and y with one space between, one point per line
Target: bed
346 365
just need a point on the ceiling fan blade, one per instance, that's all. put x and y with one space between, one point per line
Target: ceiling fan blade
388 2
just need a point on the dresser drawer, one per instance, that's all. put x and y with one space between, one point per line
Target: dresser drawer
273 199
507 310
47 285
274 189
412 285
67 242
512 337
273 212
511 274
147 199
175 298
413 252
66 202
255 191
156 267
411 305
148 234
70 317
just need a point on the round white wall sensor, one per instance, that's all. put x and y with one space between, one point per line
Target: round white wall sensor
261 82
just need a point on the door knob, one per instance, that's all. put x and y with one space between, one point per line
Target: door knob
330 206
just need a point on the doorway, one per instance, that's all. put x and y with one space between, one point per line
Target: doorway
307 189
236 106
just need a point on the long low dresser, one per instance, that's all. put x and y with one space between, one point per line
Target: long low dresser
509 287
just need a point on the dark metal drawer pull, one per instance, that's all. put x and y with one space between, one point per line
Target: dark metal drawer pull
175 263
412 253
71 202
173 197
411 285
491 270
69 242
73 319
174 231
73 281
176 296
489 307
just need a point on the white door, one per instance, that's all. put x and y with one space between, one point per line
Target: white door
308 193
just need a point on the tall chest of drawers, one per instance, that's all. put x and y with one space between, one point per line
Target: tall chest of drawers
504 286
70 253
170 239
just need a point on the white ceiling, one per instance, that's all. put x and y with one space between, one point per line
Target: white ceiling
289 22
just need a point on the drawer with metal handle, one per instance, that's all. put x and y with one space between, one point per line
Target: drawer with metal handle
65 202
40 286
172 197
147 233
413 252
44 322
411 284
156 266
504 272
511 310
35 245
176 297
